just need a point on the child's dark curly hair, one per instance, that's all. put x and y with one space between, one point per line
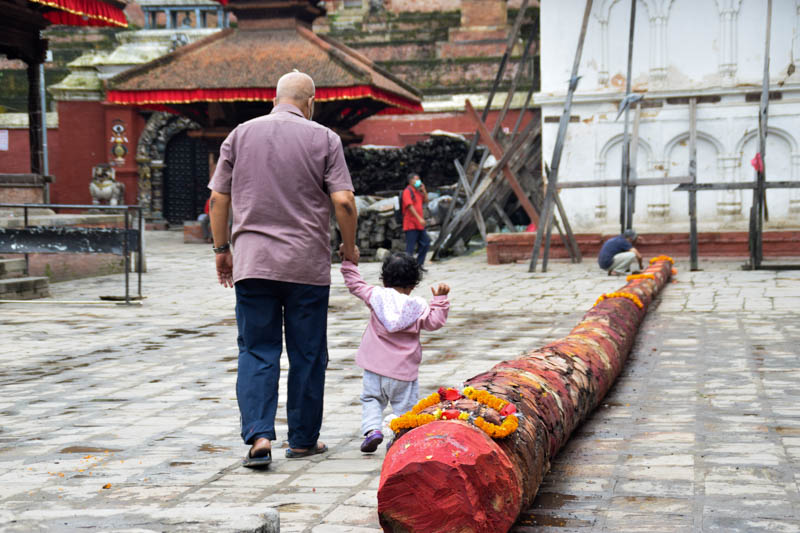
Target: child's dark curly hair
401 270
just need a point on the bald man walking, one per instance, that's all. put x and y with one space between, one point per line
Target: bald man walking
280 173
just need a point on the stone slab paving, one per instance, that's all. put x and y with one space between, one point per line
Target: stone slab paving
701 433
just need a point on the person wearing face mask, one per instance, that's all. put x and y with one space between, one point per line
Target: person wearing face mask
415 196
281 174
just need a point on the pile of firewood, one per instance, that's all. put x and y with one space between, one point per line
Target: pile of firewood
376 170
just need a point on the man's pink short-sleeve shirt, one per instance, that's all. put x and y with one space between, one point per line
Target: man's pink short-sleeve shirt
280 170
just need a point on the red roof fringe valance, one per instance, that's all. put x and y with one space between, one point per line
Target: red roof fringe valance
83 13
188 96
323 94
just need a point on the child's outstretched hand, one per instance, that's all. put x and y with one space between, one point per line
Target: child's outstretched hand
441 289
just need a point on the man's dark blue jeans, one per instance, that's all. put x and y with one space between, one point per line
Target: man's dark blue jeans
414 237
262 308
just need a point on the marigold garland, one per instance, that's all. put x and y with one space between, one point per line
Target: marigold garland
506 428
662 258
416 418
426 402
485 398
632 297
640 276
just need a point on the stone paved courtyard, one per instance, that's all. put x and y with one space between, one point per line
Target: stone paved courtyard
701 432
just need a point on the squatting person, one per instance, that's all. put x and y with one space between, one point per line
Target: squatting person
618 254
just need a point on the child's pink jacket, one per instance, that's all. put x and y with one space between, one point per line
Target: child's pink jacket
390 352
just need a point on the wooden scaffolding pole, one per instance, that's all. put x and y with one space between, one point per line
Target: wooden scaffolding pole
545 227
759 211
512 39
625 205
693 177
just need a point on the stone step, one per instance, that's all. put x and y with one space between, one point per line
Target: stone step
12 268
27 288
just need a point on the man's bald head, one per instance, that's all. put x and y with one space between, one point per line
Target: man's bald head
296 88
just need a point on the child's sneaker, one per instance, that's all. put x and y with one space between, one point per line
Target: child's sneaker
371 442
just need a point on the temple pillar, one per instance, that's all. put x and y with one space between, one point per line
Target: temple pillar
796 40
658 50
794 194
35 119
157 189
728 55
601 205
730 202
660 206
602 73
144 186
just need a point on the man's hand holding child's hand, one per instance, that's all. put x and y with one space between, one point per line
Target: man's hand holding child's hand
354 258
441 289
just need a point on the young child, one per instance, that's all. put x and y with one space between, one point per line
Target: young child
390 351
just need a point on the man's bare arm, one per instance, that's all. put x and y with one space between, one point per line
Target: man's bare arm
218 209
344 206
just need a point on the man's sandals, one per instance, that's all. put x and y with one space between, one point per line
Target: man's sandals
317 449
260 458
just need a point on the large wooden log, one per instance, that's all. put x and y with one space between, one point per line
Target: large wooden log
450 476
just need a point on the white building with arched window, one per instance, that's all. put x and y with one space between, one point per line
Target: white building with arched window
709 49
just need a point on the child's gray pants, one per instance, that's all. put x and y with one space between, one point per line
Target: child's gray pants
378 391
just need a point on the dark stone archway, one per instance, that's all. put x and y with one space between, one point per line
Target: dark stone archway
150 159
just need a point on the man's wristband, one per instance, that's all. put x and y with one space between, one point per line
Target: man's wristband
222 249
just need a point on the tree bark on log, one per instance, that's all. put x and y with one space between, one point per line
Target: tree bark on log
450 476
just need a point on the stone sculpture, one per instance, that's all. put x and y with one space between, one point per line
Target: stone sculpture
104 186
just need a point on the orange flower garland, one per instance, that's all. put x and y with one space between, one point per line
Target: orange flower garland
506 428
662 258
426 402
485 398
640 276
632 297
416 418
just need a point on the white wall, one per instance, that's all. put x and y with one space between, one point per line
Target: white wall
682 48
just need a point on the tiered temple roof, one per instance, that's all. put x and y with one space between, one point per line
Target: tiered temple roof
231 76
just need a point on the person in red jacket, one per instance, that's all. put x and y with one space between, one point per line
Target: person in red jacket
415 196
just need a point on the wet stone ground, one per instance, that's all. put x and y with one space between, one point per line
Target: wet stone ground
124 418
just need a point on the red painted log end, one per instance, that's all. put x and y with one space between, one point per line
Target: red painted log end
457 471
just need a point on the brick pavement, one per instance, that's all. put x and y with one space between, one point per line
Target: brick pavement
701 433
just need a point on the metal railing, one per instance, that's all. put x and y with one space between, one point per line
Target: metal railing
87 240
